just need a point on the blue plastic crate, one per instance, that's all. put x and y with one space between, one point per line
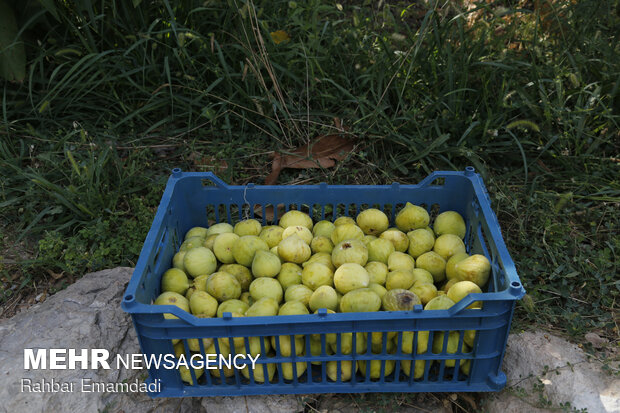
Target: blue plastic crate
197 199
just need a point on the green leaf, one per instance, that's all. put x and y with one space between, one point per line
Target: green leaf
12 51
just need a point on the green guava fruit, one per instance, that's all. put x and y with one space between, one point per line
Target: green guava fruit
245 248
324 258
293 218
258 372
350 250
265 306
304 233
323 297
321 244
316 274
177 260
451 265
375 368
360 300
441 302
285 346
350 276
294 249
174 280
399 280
272 235
346 232
241 273
222 247
380 250
323 229
426 291
420 241
232 306
461 289
197 232
246 297
447 245
199 261
247 227
346 343
378 289
191 243
422 342
400 261
400 300
298 292
418 369
372 221
290 274
377 271
266 287
293 308
220 228
450 222
411 217
209 241
171 298
286 369
347 370
422 275
396 237
344 221
223 286
433 263
476 269
202 304
265 264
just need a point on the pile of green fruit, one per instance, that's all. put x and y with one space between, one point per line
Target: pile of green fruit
349 265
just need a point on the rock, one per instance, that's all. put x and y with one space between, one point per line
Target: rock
253 404
541 366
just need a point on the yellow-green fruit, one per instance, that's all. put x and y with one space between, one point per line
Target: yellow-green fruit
377 344
316 349
316 274
447 245
272 235
399 279
254 348
451 348
399 261
232 306
199 283
476 269
259 372
377 337
469 336
350 276
220 228
330 338
324 258
286 370
174 280
265 264
441 302
247 227
346 343
293 308
323 297
418 369
450 222
293 218
177 260
360 300
465 366
223 286
202 304
350 250
400 300
446 286
323 229
209 241
426 291
170 298
346 232
191 243
223 245
347 370
241 273
266 306
377 271
299 293
375 368
378 289
420 274
194 344
461 289
344 221
372 221
290 274
197 232
368 239
422 342
397 237
286 345
411 217
199 261
266 287
294 249
245 248
433 263
420 241
246 297
186 375
303 232
451 264
274 251
321 244
379 250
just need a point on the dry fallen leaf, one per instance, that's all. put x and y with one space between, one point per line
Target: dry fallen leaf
323 152
596 340
211 163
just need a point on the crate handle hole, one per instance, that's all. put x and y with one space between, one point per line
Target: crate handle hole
129 297
515 284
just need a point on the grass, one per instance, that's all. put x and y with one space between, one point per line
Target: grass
116 95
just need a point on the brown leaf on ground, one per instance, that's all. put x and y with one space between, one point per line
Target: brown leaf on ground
323 152
596 340
211 163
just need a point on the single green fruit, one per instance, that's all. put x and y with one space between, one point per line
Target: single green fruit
380 250
399 261
177 260
426 291
450 222
451 347
400 300
375 368
399 280
294 249
350 276
299 293
346 232
441 302
293 218
198 284
412 217
222 247
293 308
286 345
323 229
418 369
344 221
422 275
202 304
197 232
209 241
171 298
462 289
350 250
241 273
420 241
223 286
232 306
451 265
266 287
321 244
272 235
323 297
246 297
191 243
265 264
245 248
290 274
422 342
397 237
265 306
447 245
476 269
199 261
303 232
360 300
259 371
247 227
341 370
368 239
372 221
378 289
377 271
324 258
186 375
315 275
448 284
174 280
220 228
433 263
287 371
346 343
